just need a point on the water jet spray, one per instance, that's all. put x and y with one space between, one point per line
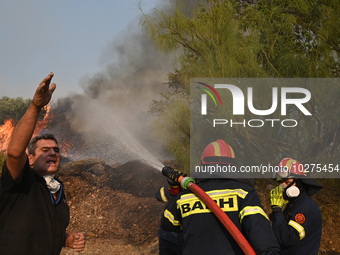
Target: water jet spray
143 153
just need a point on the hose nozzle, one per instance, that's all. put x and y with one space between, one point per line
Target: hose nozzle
174 176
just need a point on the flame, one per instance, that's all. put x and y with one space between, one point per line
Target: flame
5 134
6 130
66 141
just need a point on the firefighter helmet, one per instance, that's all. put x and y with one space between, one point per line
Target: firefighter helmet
218 152
290 168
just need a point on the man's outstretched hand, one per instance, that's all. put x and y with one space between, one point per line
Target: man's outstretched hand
75 241
44 92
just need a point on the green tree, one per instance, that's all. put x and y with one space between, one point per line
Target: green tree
264 39
298 38
172 125
14 108
208 43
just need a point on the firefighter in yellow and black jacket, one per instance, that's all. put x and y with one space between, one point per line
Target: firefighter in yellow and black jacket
203 233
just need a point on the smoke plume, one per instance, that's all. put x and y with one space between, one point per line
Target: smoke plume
110 118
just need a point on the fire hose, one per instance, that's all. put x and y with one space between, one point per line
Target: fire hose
189 183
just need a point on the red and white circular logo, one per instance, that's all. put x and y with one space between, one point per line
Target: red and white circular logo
300 218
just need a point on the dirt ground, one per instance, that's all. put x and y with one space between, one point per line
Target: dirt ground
116 210
114 207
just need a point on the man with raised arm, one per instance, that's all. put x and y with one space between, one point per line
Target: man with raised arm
34 213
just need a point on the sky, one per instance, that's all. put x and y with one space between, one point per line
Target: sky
67 37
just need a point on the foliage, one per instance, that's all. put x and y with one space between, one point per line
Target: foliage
14 108
209 42
257 39
172 125
298 38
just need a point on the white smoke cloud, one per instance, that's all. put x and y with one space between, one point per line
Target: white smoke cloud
112 114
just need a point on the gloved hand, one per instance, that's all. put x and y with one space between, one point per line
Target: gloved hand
172 175
172 183
276 198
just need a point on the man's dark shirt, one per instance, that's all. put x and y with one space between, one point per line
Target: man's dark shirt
30 223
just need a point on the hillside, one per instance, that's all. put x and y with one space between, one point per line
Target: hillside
116 209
